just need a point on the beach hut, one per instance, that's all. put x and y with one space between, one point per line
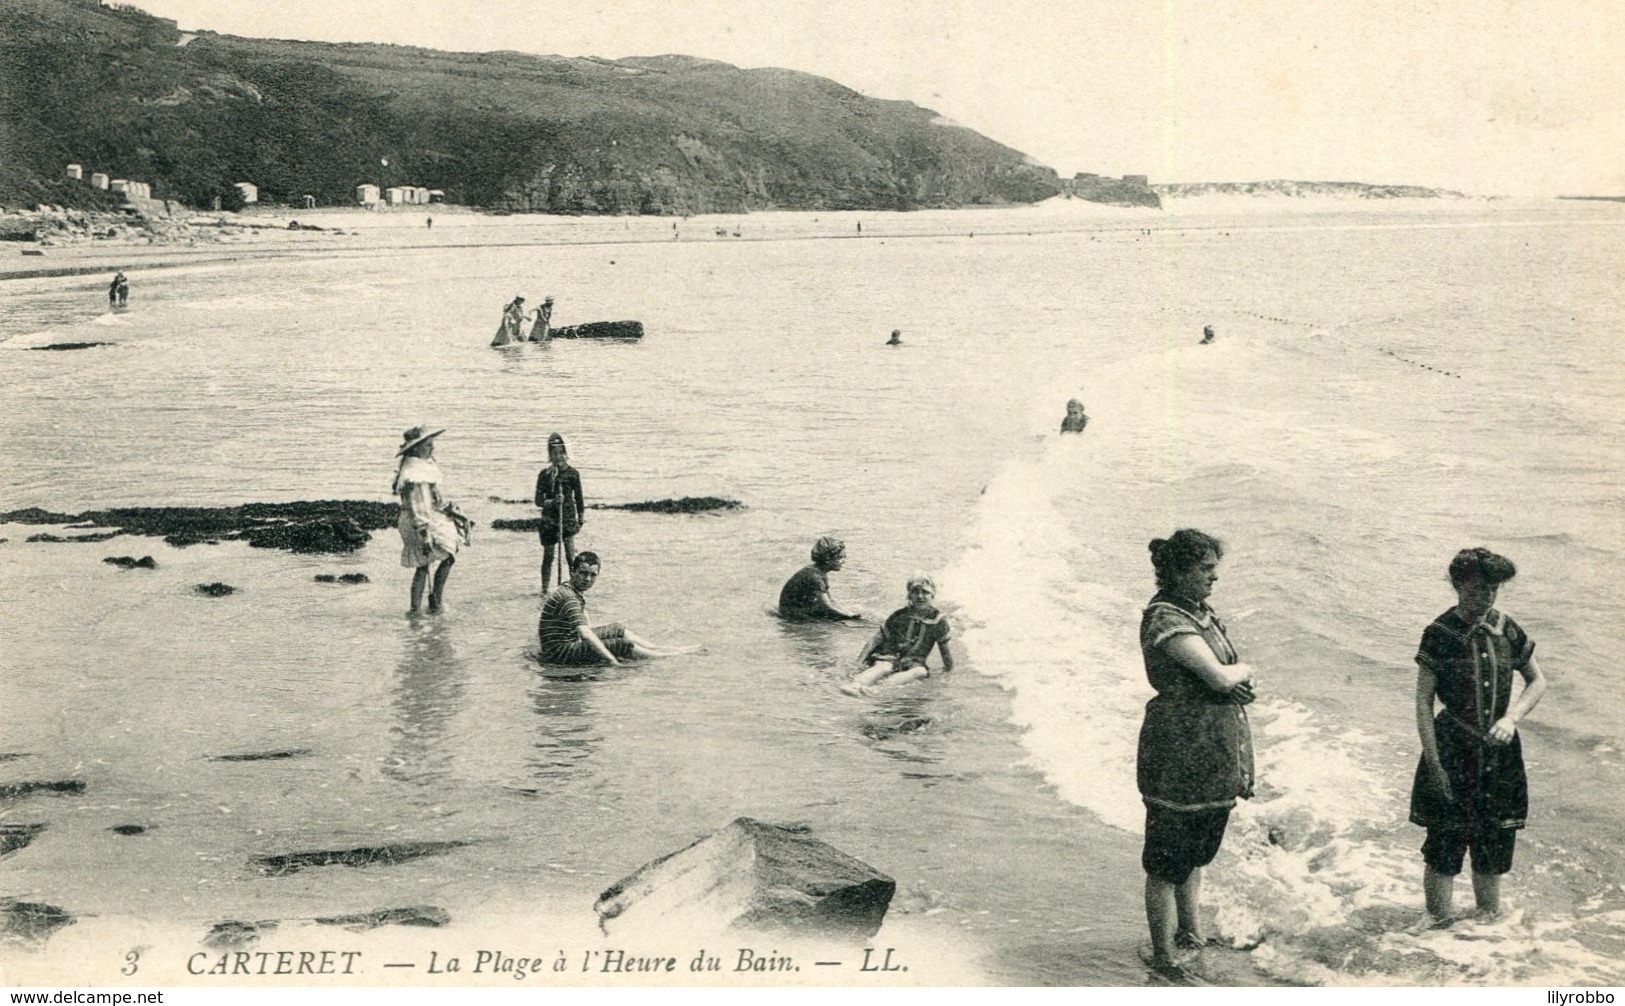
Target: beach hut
248 190
309 200
436 196
366 194
99 180
420 195
395 195
76 172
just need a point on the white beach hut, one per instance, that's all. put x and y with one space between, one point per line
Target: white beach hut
76 172
99 180
366 194
248 190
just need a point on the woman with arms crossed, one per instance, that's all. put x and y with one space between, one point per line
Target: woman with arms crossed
1196 749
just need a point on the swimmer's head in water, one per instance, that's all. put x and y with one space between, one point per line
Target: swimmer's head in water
828 551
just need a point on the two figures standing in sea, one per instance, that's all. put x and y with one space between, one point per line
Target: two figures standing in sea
512 327
1195 754
118 291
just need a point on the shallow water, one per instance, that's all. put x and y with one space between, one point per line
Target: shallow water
1385 389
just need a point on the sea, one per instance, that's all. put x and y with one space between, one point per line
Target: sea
1389 383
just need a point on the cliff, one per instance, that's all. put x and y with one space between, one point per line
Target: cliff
124 93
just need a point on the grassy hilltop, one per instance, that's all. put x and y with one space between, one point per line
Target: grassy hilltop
120 91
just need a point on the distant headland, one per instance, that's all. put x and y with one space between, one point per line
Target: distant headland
1302 190
141 109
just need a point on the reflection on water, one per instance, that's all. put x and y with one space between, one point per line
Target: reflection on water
428 692
820 645
566 734
907 727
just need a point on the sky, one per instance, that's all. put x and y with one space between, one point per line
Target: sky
1481 96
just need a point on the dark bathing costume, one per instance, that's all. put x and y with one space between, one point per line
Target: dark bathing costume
1473 667
549 487
909 637
560 642
799 596
1196 749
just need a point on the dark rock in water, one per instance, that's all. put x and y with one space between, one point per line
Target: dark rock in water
277 755
13 790
332 534
319 526
17 836
517 523
354 578
753 876
379 855
129 829
29 922
414 915
215 589
499 499
326 578
71 345
126 562
687 504
600 330
47 536
886 730
233 935
34 515
14 755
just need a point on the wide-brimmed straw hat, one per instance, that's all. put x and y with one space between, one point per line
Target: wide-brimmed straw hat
411 438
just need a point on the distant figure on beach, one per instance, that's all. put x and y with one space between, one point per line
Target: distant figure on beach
860 226
898 650
513 319
428 222
565 637
542 327
1075 419
1195 750
805 596
1470 791
896 337
1207 334
118 292
431 529
558 494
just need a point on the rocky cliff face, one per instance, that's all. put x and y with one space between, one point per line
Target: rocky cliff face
117 92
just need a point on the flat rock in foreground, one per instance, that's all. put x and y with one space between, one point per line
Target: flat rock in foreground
756 877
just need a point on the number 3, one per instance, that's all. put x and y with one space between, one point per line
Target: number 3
131 963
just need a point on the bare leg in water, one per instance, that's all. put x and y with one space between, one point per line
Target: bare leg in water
437 595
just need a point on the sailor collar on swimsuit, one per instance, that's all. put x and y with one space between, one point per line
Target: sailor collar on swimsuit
1494 623
1199 611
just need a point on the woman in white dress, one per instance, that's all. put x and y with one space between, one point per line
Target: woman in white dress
430 532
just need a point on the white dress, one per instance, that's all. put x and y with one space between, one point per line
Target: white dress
427 534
